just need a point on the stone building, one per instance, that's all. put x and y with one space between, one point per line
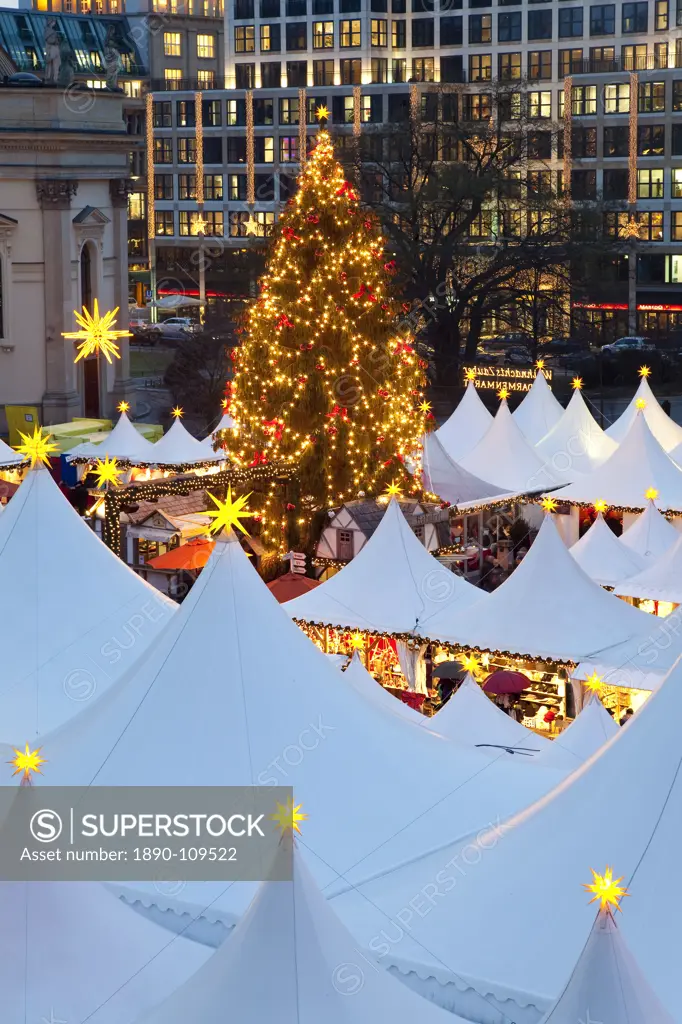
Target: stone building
64 159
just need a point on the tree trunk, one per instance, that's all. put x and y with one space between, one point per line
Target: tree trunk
446 341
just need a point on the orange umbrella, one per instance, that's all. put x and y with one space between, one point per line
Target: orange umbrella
192 555
291 585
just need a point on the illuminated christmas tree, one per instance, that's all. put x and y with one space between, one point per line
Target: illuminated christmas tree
326 379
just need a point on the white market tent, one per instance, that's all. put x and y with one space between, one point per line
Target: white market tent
178 447
658 581
73 616
622 808
444 477
471 717
72 952
9 459
608 980
391 586
357 676
586 734
465 427
601 555
639 463
226 423
576 444
665 430
651 534
548 608
124 443
539 411
504 455
292 961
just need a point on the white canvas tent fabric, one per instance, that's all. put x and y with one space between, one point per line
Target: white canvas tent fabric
291 960
665 430
177 447
73 616
471 717
226 423
124 443
72 952
658 581
622 808
539 411
607 983
357 676
587 734
622 481
391 586
576 444
504 455
601 555
651 535
9 459
547 608
442 476
465 427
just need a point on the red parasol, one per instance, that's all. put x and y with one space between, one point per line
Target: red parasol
192 555
506 681
291 585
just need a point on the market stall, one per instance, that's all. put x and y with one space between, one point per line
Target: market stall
465 427
576 444
539 411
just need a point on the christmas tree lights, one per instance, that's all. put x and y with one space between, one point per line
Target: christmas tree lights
325 381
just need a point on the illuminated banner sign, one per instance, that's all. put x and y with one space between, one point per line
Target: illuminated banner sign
492 378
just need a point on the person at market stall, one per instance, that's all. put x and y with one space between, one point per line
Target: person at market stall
627 717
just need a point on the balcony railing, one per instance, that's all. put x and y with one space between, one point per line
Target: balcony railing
619 65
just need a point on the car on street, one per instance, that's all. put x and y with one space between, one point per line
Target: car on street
178 327
631 343
144 332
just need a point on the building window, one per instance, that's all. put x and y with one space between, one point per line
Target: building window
265 220
540 104
236 187
509 27
271 75
660 56
379 32
423 69
164 222
451 31
187 186
264 149
270 39
509 66
540 64
163 186
288 149
349 33
244 76
510 106
584 185
676 226
163 151
379 70
540 24
570 62
398 69
297 36
399 34
323 72
482 225
651 97
616 141
263 111
539 145
617 98
172 44
213 187
205 46
480 67
172 78
602 20
584 100
296 8
570 22
270 9
477 106
677 95
236 112
676 183
191 223
650 223
212 113
634 58
635 17
244 38
206 79
288 111
651 140
162 115
187 150
185 114
297 73
323 35
661 15
650 183
480 28
351 72
616 184
243 9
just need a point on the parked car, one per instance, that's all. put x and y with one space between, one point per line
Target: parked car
178 327
143 332
628 344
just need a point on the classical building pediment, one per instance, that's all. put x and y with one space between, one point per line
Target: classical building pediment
90 216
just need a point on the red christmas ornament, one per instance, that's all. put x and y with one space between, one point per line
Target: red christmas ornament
390 267
383 392
319 366
313 218
406 307
332 430
291 235
385 308
283 321
365 293
340 309
306 347
380 438
259 459
343 276
290 507
319 253
387 462
347 190
338 411
367 225
302 379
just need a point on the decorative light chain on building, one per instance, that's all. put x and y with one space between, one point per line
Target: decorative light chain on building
357 110
568 137
149 132
632 149
250 152
199 156
415 105
302 127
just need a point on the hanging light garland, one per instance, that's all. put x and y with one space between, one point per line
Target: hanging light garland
149 132
632 149
250 151
568 137
302 127
199 155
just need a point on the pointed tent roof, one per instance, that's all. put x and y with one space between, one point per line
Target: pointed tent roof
548 608
505 456
622 807
658 581
471 717
124 443
607 983
291 960
665 430
444 477
9 459
227 422
360 679
651 534
601 555
587 734
638 464
465 427
332 738
539 411
178 447
391 586
75 949
576 444
73 616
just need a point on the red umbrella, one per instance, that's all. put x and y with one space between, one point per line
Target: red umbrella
192 555
506 681
291 585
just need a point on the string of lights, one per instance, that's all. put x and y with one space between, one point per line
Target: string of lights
149 133
199 156
357 111
568 137
632 147
250 152
302 127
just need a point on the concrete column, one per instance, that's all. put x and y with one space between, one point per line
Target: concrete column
61 401
124 388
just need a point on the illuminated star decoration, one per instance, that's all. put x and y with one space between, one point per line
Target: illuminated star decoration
641 403
651 494
97 333
199 226
322 113
393 490
224 403
600 505
594 683
471 374
178 412
288 816
107 472
123 406
540 364
425 407
607 890
503 393
577 383
27 761
228 513
357 641
549 504
644 371
469 663
251 225
37 447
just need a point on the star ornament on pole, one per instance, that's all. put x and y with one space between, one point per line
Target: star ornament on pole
393 490
228 514
651 494
503 394
644 371
641 403
322 114
600 505
470 374
107 472
594 683
357 641
577 383
97 333
288 815
540 364
606 890
27 761
37 447
123 406
251 226
549 504
178 412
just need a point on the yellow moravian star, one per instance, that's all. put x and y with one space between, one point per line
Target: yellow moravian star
107 472
607 890
97 333
227 514
288 816
37 446
27 761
